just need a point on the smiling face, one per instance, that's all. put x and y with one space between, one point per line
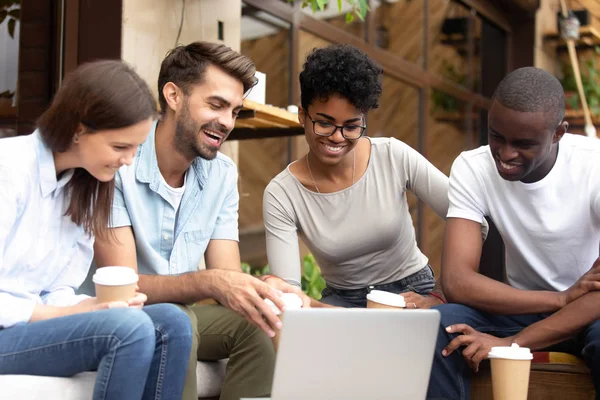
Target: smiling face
103 152
336 110
524 147
207 114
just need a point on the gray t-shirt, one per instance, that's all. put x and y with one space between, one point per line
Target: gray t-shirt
362 235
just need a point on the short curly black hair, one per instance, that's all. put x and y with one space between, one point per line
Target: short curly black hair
341 69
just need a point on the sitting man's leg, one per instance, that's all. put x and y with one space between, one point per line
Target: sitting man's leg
190 387
450 378
225 334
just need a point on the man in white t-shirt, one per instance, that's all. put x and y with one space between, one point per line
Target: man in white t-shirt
541 188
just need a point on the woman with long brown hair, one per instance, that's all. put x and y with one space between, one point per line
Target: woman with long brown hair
56 192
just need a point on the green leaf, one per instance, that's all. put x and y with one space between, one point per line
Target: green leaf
339 5
321 4
3 15
16 13
246 268
11 27
349 17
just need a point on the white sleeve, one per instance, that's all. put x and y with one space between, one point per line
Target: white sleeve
281 233
421 177
13 308
595 194
61 292
465 193
119 215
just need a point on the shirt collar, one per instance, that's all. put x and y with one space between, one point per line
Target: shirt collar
47 169
147 165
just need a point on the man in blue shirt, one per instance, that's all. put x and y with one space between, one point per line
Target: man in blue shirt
178 203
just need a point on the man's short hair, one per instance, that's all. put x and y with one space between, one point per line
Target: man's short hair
185 66
531 89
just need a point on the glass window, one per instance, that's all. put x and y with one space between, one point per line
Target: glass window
399 28
9 66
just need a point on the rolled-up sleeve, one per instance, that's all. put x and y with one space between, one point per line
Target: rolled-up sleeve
119 215
226 227
464 194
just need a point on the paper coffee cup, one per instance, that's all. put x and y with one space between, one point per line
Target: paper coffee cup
115 283
292 302
381 299
510 372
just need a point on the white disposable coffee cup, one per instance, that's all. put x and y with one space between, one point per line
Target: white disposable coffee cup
510 372
115 283
382 299
292 302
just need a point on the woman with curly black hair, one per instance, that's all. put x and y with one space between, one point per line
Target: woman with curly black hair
347 197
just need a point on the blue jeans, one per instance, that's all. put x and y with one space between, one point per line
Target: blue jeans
138 354
421 282
451 377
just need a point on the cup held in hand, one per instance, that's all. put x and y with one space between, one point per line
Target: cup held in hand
292 302
115 284
382 299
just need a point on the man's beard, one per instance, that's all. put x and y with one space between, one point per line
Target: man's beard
186 140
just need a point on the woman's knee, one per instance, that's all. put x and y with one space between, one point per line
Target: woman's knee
129 325
171 319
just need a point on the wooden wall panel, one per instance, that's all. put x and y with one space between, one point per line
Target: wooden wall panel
262 159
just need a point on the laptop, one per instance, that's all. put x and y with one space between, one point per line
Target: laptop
330 354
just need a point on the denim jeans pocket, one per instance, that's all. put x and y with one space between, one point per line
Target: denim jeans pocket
421 282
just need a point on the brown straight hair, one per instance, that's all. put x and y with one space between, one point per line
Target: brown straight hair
185 66
100 95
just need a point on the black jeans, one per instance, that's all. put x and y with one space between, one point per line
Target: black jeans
421 282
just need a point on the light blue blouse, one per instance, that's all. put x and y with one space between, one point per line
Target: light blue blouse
44 256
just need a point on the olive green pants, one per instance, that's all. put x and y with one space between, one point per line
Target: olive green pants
222 333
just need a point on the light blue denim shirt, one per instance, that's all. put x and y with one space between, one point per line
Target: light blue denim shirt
169 241
44 256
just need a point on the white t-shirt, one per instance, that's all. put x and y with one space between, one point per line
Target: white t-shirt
175 194
550 228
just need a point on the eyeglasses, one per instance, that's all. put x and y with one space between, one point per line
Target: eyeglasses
325 129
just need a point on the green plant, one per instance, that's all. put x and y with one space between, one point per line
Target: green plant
359 7
7 94
10 9
590 80
442 100
312 281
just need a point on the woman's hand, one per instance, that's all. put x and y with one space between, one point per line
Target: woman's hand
415 300
279 284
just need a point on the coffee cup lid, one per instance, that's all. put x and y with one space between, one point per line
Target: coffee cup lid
291 300
387 298
514 352
115 276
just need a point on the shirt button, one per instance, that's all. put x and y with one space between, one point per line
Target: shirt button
166 237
